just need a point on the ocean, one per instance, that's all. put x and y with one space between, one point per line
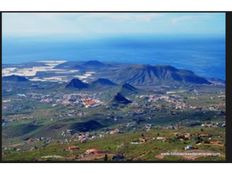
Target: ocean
204 56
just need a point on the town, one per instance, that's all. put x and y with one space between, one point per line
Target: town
95 118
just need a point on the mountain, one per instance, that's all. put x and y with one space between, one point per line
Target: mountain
76 83
15 78
67 65
128 89
82 66
94 63
153 75
101 82
120 99
216 81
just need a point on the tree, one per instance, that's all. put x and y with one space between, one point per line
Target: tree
106 157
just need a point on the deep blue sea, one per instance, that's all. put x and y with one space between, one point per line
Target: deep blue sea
204 56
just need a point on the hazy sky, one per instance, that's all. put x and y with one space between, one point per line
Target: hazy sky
98 24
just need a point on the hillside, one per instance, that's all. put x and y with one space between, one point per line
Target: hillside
120 99
153 75
102 82
15 78
128 89
76 83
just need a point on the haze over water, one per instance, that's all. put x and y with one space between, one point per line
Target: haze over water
205 56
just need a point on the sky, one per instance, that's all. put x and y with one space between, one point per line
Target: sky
129 37
90 25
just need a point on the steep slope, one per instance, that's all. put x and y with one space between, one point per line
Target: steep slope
101 82
152 75
128 89
77 84
120 99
